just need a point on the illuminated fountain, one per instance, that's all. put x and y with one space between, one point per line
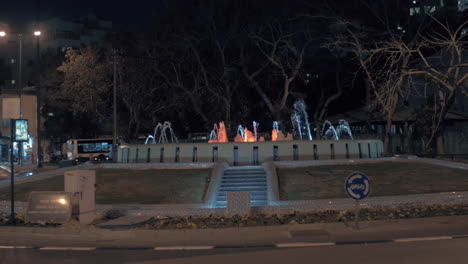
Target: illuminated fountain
160 134
336 133
164 134
245 135
248 136
343 128
214 134
277 134
329 131
300 120
247 149
218 134
240 134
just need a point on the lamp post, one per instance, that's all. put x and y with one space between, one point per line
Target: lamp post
114 90
38 107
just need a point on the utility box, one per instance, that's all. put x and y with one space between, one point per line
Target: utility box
82 184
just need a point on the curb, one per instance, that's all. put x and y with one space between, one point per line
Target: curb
211 247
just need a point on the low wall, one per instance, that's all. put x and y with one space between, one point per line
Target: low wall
250 153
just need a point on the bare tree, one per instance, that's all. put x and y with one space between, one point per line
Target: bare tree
217 69
179 68
325 99
140 88
391 65
281 53
382 63
447 72
225 73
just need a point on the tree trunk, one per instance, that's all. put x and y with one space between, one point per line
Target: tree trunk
277 115
317 130
227 116
440 144
388 128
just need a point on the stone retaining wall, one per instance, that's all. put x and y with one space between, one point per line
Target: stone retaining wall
250 153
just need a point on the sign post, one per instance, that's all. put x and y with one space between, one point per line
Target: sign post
12 173
19 133
357 187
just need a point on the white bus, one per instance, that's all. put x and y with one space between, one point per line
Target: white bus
82 150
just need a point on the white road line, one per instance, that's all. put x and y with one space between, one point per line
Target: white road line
6 247
413 239
323 244
184 248
68 248
22 247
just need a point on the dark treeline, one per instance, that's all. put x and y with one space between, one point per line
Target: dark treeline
201 62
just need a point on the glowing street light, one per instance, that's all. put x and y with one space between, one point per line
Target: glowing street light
2 33
37 33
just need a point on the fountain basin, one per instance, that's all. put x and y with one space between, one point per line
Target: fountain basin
250 153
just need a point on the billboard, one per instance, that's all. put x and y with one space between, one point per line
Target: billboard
20 130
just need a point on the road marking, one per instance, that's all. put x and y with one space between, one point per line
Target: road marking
413 239
68 248
184 248
323 244
9 247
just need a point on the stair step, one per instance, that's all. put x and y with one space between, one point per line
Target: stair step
247 188
252 198
260 194
244 184
252 203
252 193
244 177
243 180
259 169
245 169
243 172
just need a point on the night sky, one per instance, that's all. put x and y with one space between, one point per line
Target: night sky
22 13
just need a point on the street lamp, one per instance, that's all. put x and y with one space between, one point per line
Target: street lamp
38 108
2 33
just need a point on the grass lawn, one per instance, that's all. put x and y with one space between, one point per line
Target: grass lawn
387 178
130 186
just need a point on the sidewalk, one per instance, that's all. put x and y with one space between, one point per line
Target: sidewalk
371 232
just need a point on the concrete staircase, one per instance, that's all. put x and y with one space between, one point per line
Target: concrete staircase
244 178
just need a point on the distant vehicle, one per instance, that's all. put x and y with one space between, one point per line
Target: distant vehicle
81 150
198 137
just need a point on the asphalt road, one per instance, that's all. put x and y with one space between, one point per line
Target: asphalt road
452 251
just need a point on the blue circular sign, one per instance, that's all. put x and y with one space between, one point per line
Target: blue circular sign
357 186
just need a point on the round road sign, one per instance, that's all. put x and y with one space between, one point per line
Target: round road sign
357 186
